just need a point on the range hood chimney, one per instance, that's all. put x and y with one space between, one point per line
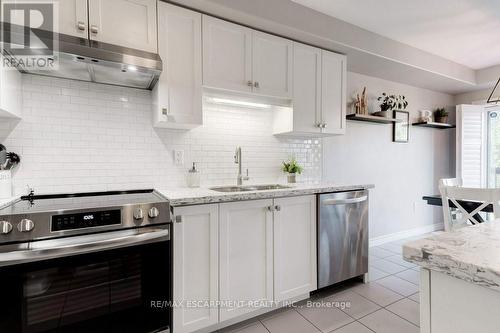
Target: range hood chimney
87 60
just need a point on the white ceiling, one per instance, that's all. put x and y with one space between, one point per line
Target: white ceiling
464 31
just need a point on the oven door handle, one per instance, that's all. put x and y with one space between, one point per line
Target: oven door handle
64 247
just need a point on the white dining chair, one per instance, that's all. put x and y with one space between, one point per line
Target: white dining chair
461 215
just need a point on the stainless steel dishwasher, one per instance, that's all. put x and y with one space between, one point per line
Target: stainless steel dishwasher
342 236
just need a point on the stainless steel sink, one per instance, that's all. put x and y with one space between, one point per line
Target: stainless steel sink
266 187
229 189
249 188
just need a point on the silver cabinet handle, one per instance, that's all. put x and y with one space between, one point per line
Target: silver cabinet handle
178 219
81 26
323 125
271 208
249 83
344 201
256 85
94 29
318 125
277 208
164 111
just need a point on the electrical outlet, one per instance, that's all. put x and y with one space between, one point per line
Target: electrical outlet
179 157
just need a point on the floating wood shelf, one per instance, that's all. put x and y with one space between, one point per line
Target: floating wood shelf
434 125
372 119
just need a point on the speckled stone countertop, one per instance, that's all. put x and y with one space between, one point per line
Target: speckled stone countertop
196 196
471 253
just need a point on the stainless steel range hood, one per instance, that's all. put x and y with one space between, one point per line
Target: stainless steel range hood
87 60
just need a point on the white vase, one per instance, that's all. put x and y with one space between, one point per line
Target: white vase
5 184
291 177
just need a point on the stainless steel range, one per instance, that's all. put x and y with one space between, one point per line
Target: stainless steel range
86 261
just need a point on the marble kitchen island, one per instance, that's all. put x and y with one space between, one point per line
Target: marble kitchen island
460 279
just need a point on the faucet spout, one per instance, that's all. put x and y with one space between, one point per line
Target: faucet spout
237 160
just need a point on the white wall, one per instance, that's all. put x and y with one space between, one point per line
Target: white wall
76 136
474 96
402 172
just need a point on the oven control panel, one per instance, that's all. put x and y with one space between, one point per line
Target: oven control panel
85 220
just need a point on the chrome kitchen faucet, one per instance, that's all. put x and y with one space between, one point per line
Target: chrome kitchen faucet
237 160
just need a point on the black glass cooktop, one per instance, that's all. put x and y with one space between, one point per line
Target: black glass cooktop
55 202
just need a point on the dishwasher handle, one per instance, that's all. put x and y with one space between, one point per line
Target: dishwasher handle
329 202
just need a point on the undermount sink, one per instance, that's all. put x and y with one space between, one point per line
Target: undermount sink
249 188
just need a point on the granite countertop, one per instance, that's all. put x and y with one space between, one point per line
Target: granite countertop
471 253
196 196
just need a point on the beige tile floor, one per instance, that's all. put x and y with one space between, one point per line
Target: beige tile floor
388 303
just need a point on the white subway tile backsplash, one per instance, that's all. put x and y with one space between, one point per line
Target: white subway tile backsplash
79 136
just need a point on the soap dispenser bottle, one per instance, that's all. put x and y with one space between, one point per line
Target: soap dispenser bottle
193 178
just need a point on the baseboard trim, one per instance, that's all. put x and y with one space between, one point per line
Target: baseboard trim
376 241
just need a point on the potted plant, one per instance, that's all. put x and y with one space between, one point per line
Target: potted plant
441 116
389 103
292 168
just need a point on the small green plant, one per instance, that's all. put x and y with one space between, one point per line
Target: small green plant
440 112
292 167
391 102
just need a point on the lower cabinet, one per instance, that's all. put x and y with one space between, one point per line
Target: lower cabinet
196 267
294 246
246 255
240 252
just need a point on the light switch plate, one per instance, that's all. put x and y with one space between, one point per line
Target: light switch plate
179 157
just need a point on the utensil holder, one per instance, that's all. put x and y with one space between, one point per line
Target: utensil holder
5 184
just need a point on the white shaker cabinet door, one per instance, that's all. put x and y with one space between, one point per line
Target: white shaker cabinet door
73 18
272 65
195 240
71 15
294 246
177 97
333 93
306 88
127 23
227 55
246 255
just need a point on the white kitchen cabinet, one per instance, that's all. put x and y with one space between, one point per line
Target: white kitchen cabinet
227 55
294 246
306 113
272 65
246 255
196 260
237 58
319 95
333 92
10 91
72 18
177 97
128 23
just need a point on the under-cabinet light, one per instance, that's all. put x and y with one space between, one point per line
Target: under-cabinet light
234 102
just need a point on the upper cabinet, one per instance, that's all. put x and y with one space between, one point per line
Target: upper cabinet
177 97
10 91
240 59
333 93
272 65
227 55
72 17
319 94
128 23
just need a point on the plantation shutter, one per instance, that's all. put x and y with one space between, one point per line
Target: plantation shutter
471 145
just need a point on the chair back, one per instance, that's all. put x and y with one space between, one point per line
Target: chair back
467 203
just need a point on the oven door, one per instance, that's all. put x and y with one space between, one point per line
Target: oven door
112 282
